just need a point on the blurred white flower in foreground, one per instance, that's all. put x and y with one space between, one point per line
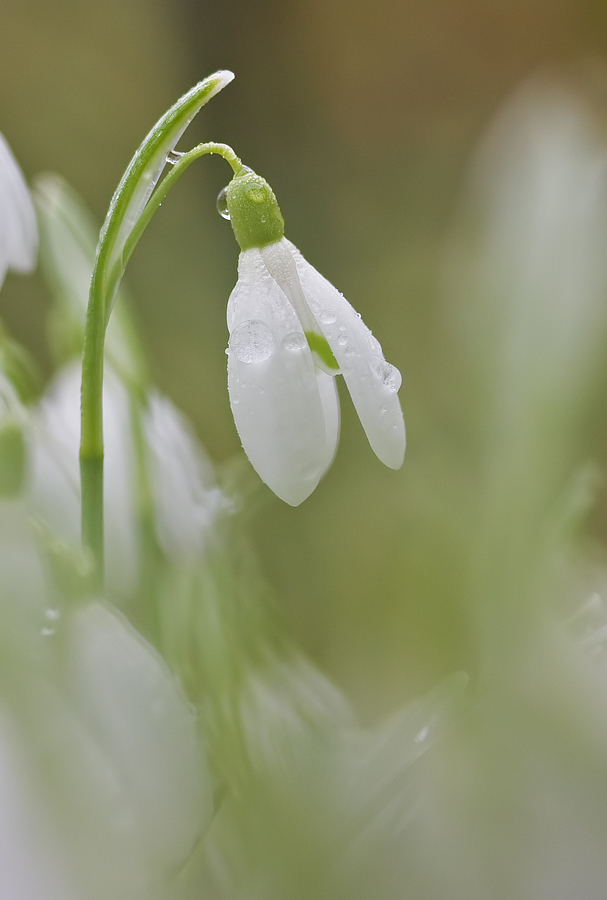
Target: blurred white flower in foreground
18 232
515 803
103 780
291 332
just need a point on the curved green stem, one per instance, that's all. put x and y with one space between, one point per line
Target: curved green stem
155 201
107 274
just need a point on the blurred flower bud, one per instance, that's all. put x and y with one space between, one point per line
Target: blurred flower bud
55 488
18 232
181 482
186 497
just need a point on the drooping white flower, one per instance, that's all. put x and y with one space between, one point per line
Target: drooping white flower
291 332
18 232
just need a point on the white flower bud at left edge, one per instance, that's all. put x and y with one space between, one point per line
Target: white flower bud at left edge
18 230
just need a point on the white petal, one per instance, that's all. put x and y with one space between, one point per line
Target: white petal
18 231
30 858
129 701
373 383
330 404
285 414
186 496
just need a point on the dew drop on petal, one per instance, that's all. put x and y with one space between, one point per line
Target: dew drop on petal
222 203
251 342
327 318
389 375
342 340
294 341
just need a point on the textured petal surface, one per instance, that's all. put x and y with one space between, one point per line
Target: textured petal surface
18 231
373 383
286 415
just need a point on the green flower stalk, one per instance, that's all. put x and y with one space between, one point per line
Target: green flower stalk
130 211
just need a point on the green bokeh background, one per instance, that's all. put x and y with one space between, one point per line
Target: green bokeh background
362 115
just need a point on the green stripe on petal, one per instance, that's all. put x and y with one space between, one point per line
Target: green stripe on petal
318 344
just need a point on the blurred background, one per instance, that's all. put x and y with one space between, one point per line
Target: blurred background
363 116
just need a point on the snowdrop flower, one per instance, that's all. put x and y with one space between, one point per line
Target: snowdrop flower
18 232
291 332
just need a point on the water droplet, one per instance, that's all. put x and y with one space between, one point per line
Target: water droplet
342 327
222 204
294 341
422 735
387 374
327 318
174 156
349 351
252 342
47 631
342 340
